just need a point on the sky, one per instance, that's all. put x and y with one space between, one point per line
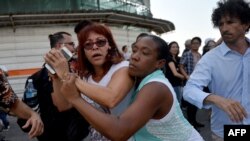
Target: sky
190 17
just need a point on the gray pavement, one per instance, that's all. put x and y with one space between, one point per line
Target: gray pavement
204 118
16 134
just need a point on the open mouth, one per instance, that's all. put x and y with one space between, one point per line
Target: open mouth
96 55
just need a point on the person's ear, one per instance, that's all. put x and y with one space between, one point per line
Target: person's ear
160 63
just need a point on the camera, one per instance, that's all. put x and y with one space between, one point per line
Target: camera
66 53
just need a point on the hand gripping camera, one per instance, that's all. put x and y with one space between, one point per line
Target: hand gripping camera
66 53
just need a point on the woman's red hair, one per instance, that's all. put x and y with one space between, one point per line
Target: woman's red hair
113 57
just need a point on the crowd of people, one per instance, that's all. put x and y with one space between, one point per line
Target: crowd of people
104 94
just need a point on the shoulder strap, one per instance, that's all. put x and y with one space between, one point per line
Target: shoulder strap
155 74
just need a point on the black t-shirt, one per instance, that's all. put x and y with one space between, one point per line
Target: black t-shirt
62 126
175 81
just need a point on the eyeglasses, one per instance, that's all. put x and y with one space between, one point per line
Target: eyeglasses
69 43
98 43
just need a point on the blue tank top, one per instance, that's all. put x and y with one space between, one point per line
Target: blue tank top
172 127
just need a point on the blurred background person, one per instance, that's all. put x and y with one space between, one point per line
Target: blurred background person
188 62
125 52
172 69
209 44
187 46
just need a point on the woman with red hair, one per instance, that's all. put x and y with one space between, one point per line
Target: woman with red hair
104 80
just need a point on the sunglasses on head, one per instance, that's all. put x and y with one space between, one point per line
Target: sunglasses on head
98 43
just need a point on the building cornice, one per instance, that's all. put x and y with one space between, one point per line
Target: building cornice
110 17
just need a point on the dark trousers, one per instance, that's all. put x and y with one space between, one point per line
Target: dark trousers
191 113
3 117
